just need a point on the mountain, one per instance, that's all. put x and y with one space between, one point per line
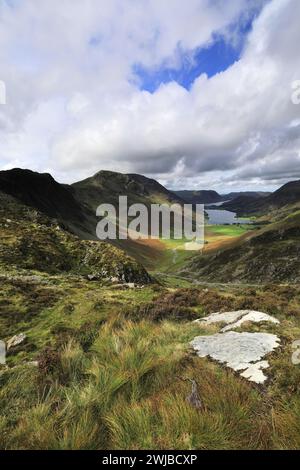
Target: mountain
41 192
268 254
75 205
255 194
286 196
240 204
32 242
107 186
212 197
199 197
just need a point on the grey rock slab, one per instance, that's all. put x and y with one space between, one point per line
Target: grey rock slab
254 372
254 317
235 319
241 352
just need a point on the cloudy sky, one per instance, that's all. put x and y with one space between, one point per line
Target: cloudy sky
194 93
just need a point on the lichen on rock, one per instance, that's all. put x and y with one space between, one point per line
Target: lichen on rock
236 319
242 352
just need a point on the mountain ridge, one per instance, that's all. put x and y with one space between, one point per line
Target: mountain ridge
286 195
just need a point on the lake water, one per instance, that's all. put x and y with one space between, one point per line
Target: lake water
219 217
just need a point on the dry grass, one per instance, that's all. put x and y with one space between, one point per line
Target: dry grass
113 367
129 392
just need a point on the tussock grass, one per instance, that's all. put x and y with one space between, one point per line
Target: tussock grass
109 380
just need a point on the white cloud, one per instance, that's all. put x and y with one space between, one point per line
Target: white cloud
74 106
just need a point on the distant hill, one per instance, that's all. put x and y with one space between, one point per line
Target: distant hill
240 204
41 192
199 197
287 195
74 206
107 186
31 241
212 197
255 194
268 254
271 254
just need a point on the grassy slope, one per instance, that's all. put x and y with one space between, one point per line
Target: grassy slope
31 241
114 367
169 256
114 363
268 254
106 187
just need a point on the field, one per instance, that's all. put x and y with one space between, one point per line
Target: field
160 256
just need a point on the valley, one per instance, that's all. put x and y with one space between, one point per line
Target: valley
100 335
149 231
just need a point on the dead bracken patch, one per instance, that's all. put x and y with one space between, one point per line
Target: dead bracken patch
173 306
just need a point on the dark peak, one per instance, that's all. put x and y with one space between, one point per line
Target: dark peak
40 191
291 186
199 197
131 181
19 173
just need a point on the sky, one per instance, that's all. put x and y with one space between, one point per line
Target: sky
196 93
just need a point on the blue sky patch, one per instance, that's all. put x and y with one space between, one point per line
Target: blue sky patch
217 57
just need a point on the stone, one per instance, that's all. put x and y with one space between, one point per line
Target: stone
15 341
235 319
296 353
93 277
254 372
242 352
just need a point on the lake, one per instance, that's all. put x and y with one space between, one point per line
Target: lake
219 217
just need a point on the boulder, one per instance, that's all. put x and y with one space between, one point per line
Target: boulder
242 352
236 319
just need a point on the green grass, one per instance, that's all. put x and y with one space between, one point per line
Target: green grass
114 364
111 377
228 230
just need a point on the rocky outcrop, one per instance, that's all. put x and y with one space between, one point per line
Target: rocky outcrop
38 244
236 319
243 352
